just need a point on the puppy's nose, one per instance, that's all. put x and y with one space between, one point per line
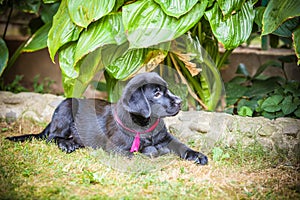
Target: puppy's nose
178 101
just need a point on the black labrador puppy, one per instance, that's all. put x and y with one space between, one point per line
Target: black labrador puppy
133 124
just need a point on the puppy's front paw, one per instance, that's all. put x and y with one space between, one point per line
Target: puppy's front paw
67 146
197 157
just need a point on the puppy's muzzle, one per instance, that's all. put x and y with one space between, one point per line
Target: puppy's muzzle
177 102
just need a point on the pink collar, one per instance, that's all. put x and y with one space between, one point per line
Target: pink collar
136 142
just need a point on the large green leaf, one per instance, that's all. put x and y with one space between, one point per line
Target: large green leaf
107 30
127 64
76 79
48 11
118 5
229 7
277 12
286 29
83 13
176 8
38 40
112 52
63 30
146 24
236 29
296 38
68 85
3 56
88 67
259 12
133 60
66 61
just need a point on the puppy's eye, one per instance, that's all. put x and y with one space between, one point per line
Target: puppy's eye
157 93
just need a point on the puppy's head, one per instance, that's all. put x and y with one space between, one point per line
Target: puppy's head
147 95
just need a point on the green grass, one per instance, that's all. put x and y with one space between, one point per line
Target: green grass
36 170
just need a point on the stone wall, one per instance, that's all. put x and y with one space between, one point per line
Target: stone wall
38 107
280 136
206 128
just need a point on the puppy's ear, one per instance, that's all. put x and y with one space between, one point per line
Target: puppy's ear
137 104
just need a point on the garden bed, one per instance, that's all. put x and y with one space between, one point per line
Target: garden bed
250 158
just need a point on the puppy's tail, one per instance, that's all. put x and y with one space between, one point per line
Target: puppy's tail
41 136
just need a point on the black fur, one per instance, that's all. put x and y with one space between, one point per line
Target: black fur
78 123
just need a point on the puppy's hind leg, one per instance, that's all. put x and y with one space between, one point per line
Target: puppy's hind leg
72 143
61 121
61 127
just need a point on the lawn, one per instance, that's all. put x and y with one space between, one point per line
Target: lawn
37 170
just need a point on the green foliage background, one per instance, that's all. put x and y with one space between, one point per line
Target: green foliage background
119 36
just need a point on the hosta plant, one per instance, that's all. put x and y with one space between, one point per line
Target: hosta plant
121 37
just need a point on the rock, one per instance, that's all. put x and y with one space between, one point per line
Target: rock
35 106
296 150
290 127
10 117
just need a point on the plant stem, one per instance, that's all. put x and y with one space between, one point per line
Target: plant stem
217 85
223 58
191 80
110 86
7 22
200 32
265 42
